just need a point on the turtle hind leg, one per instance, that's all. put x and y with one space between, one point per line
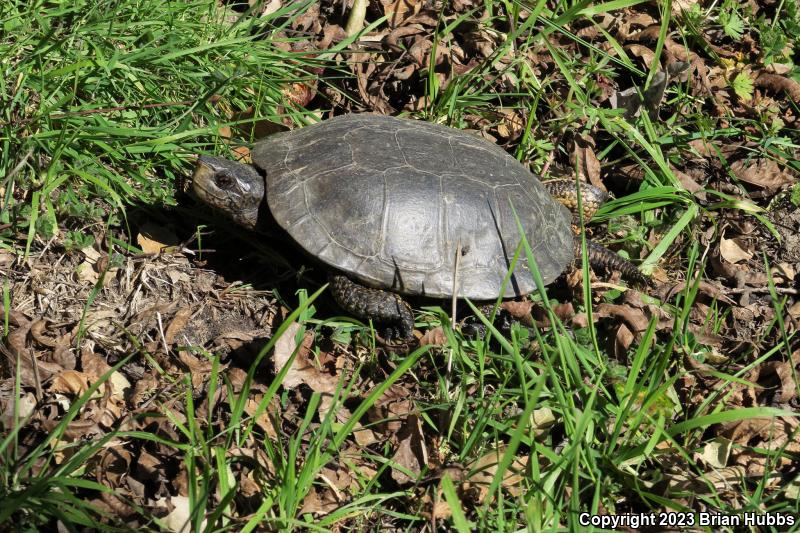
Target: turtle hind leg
602 257
380 306
565 192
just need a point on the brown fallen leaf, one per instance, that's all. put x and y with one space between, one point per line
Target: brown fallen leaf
785 371
319 502
766 173
643 52
511 126
177 323
178 520
518 309
95 367
154 239
264 420
398 11
303 369
584 159
730 250
635 318
778 84
484 469
70 382
411 454
434 337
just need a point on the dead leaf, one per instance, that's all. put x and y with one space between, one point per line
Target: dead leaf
643 52
85 273
179 518
511 126
96 366
264 420
689 184
716 453
153 239
177 323
518 309
730 250
784 271
635 318
763 172
434 337
398 11
319 503
779 84
679 6
785 371
484 469
585 160
70 382
303 369
411 455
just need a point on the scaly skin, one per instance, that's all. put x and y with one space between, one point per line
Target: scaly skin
564 192
602 257
381 306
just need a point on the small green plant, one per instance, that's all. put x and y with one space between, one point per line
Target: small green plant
731 19
779 36
75 240
742 85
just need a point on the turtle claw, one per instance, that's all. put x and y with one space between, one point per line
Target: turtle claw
385 308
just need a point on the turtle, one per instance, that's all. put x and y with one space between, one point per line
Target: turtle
387 203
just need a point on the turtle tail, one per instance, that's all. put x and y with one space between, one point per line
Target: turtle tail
602 257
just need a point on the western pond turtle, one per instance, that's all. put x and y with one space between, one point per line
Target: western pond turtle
387 202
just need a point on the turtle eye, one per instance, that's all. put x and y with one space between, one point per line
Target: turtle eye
223 180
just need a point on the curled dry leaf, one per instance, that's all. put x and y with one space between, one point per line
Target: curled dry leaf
70 382
689 184
264 420
716 452
179 518
635 318
303 369
434 337
785 371
484 469
85 273
154 239
722 479
511 126
623 340
319 502
27 404
730 250
584 159
779 84
96 367
177 323
518 309
411 454
764 172
398 11
643 52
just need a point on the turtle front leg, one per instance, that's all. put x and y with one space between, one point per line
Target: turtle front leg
380 306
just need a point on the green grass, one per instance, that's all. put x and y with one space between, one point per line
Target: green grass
103 106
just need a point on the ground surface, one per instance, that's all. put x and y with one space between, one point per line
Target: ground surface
165 369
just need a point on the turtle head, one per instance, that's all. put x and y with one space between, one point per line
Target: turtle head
232 188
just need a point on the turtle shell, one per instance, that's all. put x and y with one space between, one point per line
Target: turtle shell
389 201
